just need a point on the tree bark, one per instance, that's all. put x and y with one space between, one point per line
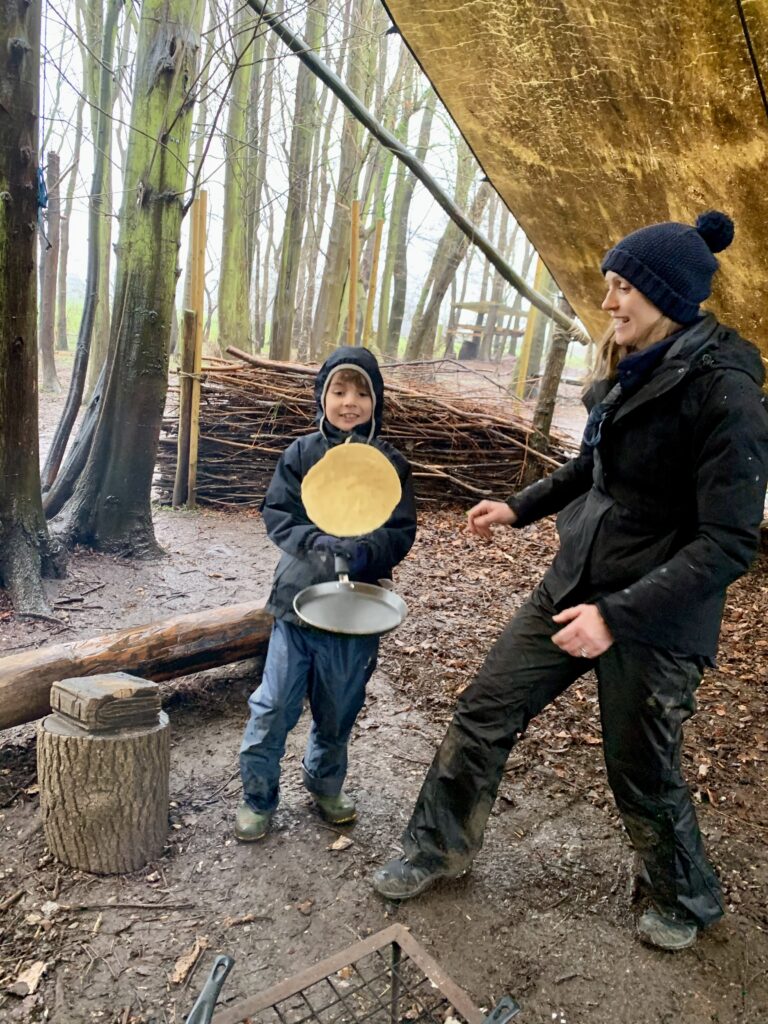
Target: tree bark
422 336
545 403
92 279
100 20
234 316
160 650
62 343
110 507
325 329
104 797
400 227
26 551
49 263
302 137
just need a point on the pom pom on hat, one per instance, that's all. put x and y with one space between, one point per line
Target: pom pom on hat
716 228
672 263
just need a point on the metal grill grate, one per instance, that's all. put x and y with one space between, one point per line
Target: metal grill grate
385 979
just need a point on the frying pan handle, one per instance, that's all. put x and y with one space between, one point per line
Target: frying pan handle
341 566
202 1011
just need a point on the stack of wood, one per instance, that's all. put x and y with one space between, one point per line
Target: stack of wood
251 410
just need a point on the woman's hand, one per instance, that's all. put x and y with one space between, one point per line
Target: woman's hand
586 635
487 513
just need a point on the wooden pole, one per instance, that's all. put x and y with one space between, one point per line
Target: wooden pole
525 352
158 650
186 369
354 259
194 415
368 324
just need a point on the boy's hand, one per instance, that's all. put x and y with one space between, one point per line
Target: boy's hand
356 552
586 635
487 513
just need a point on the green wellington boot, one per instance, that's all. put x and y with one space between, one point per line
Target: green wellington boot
336 810
251 825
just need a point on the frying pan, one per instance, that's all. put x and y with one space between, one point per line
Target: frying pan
345 606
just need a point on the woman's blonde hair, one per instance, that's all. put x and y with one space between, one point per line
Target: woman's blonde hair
609 353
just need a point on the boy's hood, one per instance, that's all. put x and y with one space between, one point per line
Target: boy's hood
363 360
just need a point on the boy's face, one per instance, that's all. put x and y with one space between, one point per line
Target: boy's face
347 402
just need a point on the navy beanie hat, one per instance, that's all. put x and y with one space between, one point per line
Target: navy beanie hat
672 264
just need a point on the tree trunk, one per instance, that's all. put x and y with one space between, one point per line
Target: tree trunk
541 328
545 404
497 291
265 78
26 552
328 314
400 275
110 508
234 316
49 263
422 336
92 286
298 183
104 796
160 650
101 35
62 343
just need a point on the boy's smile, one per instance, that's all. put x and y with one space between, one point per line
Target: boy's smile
347 404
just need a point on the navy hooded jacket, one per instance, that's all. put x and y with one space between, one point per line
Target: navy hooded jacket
663 512
286 520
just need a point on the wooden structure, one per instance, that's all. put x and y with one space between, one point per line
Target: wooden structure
158 650
103 761
591 120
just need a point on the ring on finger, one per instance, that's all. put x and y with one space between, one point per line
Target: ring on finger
583 652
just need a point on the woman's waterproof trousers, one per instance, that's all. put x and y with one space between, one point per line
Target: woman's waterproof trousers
645 694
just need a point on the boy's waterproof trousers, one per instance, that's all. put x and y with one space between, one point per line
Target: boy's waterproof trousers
332 671
645 694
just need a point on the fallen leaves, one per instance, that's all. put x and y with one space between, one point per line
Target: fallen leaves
342 843
187 960
26 983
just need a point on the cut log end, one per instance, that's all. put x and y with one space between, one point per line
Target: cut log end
104 798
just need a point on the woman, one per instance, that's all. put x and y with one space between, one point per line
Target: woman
658 513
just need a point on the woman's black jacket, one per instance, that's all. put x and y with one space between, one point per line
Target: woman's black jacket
664 513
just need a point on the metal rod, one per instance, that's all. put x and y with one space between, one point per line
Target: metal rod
304 52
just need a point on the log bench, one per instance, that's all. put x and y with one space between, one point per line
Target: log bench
158 650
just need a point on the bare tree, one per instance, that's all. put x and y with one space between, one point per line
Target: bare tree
110 507
49 262
26 551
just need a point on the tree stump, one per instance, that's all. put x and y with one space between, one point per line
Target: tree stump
103 762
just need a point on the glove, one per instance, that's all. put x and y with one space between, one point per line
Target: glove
356 552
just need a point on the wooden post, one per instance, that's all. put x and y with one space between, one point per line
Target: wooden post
354 259
525 353
186 370
368 324
198 294
103 760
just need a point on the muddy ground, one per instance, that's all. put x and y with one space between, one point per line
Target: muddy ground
545 913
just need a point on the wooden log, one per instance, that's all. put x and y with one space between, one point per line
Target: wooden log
157 650
103 790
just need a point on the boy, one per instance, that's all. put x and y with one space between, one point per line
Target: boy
331 669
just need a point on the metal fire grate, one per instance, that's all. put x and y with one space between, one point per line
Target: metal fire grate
385 979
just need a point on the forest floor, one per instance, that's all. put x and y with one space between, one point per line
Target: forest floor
545 913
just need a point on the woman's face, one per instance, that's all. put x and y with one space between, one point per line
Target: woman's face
633 315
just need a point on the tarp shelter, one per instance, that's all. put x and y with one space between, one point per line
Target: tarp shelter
594 117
